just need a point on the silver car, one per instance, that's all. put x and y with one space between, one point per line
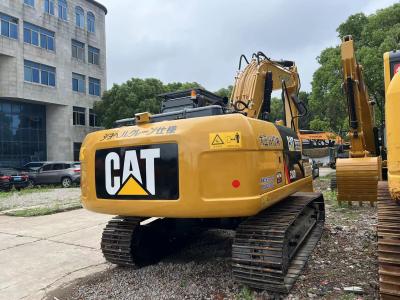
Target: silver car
64 173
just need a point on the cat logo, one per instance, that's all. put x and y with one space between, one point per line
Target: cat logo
131 183
148 172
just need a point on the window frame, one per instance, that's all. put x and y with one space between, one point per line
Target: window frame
30 3
95 86
93 53
12 23
78 48
76 77
62 6
78 115
49 7
91 22
38 72
39 37
93 119
79 17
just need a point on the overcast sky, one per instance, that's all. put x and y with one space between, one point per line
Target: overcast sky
201 40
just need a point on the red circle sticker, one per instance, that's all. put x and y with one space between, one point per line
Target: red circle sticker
236 183
396 68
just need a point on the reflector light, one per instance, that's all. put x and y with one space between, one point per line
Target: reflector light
236 183
396 68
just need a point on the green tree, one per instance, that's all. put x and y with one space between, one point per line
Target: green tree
373 35
225 92
134 96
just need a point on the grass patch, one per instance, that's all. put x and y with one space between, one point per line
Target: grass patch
41 211
245 294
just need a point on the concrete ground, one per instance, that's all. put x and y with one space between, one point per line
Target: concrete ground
325 171
38 254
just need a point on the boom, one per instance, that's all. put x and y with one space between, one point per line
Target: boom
262 76
362 130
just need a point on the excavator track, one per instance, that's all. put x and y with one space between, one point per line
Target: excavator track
388 244
270 249
117 243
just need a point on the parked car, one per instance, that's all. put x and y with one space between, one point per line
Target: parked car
64 173
34 165
11 177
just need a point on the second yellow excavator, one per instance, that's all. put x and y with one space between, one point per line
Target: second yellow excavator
357 176
211 163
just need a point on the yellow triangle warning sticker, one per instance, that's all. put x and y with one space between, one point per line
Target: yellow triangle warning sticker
132 188
217 140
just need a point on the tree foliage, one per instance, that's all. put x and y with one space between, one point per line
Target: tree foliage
373 35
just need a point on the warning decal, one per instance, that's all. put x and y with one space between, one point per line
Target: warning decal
225 140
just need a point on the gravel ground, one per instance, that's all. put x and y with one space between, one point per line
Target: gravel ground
40 197
345 257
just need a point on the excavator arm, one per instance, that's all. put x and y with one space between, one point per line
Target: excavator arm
357 176
255 84
362 129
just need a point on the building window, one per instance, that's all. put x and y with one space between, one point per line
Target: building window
49 7
93 55
91 22
77 149
39 36
62 10
22 133
93 120
39 73
78 83
94 86
9 26
79 115
78 50
30 2
79 17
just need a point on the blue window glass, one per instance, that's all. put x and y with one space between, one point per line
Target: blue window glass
49 7
35 75
39 73
39 36
44 78
5 28
9 26
94 86
62 10
52 79
30 2
91 22
79 17
27 36
78 50
22 133
35 38
28 74
13 31
78 83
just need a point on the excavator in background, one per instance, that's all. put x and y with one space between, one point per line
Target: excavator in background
389 191
357 176
205 162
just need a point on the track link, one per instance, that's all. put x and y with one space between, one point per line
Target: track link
118 241
388 244
270 249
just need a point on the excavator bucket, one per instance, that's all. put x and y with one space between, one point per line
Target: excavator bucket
357 179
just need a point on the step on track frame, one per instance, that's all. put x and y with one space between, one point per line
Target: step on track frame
270 249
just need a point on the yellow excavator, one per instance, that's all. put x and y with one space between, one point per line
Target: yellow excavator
209 162
357 176
389 191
